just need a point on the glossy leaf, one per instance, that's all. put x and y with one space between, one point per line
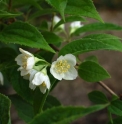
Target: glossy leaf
4 109
91 58
92 43
117 120
64 115
116 107
41 12
21 86
24 34
98 97
92 72
26 3
97 27
7 55
24 109
82 8
59 5
52 38
5 14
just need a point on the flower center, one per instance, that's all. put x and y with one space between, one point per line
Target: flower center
43 84
62 66
24 59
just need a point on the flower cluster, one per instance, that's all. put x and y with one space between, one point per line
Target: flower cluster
62 68
38 77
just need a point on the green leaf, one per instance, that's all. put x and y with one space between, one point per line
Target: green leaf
82 8
69 19
91 43
4 109
25 3
97 27
41 12
5 14
98 97
7 58
21 86
24 34
92 72
59 5
91 58
51 38
45 55
25 110
116 107
64 115
117 120
7 53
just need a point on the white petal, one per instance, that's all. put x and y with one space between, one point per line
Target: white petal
1 78
56 19
30 63
19 59
54 73
25 52
71 74
60 58
71 59
39 78
47 81
75 24
32 86
23 71
42 89
32 73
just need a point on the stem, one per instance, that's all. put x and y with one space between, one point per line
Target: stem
43 101
107 88
9 4
55 48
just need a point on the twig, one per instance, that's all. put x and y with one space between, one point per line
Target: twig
55 48
107 88
9 4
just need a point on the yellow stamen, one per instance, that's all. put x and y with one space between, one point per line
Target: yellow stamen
62 66
43 84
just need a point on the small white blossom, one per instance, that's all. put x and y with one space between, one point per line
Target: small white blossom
40 79
31 75
1 78
26 61
63 68
74 26
56 19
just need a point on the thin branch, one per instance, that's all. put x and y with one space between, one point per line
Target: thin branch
9 4
55 48
107 88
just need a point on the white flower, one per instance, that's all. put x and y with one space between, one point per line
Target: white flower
31 75
39 79
74 26
26 61
56 19
63 68
1 78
